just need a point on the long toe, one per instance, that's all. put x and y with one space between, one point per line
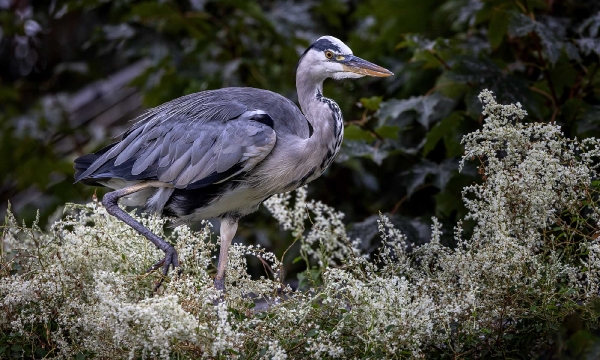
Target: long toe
156 265
171 259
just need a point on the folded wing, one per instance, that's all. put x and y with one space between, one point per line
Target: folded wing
187 150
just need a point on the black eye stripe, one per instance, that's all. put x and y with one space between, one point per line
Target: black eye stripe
324 45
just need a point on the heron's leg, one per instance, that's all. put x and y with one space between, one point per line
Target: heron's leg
110 201
228 229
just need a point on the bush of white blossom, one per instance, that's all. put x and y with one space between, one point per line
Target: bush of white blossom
80 289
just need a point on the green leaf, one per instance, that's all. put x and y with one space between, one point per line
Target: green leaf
442 130
563 76
388 131
429 109
521 25
498 27
371 103
441 174
550 42
589 45
484 73
354 132
362 149
447 202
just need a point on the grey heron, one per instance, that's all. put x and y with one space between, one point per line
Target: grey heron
221 153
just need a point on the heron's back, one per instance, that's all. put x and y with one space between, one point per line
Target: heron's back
196 142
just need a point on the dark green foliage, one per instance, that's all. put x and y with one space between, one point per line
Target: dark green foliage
403 136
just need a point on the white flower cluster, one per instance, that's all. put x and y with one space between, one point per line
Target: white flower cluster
326 240
532 257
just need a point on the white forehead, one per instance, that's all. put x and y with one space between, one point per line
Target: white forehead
332 43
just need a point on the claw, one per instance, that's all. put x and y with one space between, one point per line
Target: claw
171 259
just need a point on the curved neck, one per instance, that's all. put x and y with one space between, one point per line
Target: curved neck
325 117
322 113
308 87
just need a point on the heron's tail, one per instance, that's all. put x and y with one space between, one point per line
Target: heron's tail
82 163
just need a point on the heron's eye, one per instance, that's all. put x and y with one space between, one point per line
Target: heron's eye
328 54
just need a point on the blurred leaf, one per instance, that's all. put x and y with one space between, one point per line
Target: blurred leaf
428 109
387 131
354 132
441 174
591 26
483 73
589 45
445 129
588 122
362 149
498 27
522 25
462 12
371 103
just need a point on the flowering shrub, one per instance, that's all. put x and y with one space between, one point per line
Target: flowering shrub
80 289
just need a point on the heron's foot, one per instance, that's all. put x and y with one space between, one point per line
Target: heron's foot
171 259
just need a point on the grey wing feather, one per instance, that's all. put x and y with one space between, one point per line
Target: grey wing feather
207 136
219 150
237 138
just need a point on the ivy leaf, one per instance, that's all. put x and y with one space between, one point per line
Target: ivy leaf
591 24
465 12
498 27
388 131
361 149
573 53
484 74
445 129
444 172
424 49
521 25
550 42
354 132
428 109
588 123
371 103
589 45
441 174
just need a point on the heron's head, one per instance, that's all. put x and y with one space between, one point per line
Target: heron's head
328 57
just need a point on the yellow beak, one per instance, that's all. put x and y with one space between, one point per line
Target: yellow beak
357 65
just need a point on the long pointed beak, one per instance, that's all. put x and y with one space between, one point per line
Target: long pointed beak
357 65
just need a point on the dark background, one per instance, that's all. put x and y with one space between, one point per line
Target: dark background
73 73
